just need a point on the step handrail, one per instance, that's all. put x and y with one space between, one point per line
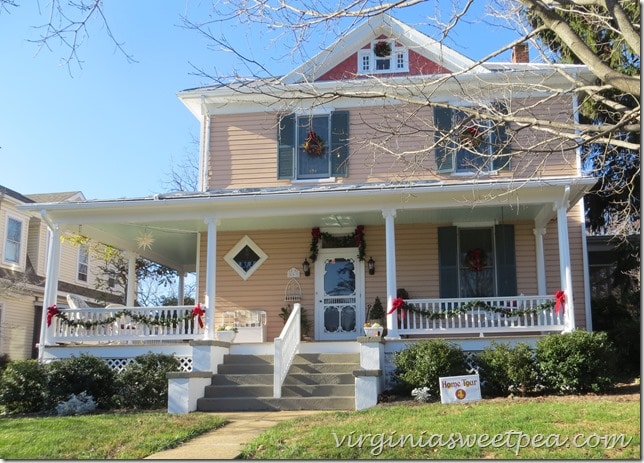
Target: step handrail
286 346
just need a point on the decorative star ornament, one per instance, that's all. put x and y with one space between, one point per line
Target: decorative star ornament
145 240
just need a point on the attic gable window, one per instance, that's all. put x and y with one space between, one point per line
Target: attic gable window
373 61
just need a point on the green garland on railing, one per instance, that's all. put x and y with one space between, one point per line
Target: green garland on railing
155 320
400 304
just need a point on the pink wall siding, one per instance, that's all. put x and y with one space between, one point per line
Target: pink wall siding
417 267
243 150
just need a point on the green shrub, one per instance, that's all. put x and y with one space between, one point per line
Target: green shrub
143 384
23 387
4 361
85 373
504 369
421 364
574 362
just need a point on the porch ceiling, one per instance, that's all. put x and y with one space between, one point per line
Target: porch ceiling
175 221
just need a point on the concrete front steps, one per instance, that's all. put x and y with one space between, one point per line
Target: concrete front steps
316 381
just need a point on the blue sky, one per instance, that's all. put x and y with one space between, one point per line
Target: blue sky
112 128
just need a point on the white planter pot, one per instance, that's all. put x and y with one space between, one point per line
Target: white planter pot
371 332
225 336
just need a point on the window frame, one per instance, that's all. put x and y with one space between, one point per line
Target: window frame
20 244
299 149
83 250
451 153
241 244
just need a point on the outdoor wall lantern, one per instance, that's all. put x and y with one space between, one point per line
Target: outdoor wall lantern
371 266
306 267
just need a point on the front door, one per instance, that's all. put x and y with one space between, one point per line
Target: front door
339 295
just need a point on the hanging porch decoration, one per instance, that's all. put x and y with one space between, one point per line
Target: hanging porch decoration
403 307
313 144
147 320
355 239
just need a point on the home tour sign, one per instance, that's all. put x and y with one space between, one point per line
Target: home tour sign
460 389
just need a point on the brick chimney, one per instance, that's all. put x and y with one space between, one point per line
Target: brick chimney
520 53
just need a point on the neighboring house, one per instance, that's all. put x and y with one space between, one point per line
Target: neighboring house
23 264
301 204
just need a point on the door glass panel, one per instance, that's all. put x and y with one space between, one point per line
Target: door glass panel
339 278
339 296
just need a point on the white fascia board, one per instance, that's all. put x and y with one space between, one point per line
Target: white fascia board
247 205
443 87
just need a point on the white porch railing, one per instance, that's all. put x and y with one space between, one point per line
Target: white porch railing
124 324
286 346
480 316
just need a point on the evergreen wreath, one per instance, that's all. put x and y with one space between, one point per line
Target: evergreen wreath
382 49
313 144
354 239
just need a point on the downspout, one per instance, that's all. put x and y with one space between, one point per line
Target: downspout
205 146
584 244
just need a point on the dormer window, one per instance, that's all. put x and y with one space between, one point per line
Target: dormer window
383 56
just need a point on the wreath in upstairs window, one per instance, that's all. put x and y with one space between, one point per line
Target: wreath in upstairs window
382 49
475 260
313 144
471 136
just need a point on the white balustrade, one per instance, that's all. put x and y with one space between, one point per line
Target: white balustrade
286 346
125 324
480 315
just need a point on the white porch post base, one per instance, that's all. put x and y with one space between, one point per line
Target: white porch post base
369 380
184 389
207 355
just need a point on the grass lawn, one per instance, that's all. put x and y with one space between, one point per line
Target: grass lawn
570 428
97 437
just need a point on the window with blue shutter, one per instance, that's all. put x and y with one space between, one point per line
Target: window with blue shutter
464 144
313 147
477 262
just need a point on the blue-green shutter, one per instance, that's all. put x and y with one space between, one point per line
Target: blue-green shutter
500 145
448 261
340 143
286 147
506 262
444 149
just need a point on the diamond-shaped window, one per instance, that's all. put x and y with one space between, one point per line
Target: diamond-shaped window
245 257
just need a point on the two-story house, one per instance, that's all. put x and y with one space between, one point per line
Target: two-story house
23 267
359 174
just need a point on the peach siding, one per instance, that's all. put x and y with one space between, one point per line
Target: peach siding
243 149
416 259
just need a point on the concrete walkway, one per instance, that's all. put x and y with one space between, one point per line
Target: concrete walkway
227 442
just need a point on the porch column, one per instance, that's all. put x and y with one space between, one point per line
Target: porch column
565 270
130 297
51 283
539 232
181 289
390 249
211 277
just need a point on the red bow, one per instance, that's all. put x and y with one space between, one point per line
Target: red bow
560 301
397 304
52 310
198 312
